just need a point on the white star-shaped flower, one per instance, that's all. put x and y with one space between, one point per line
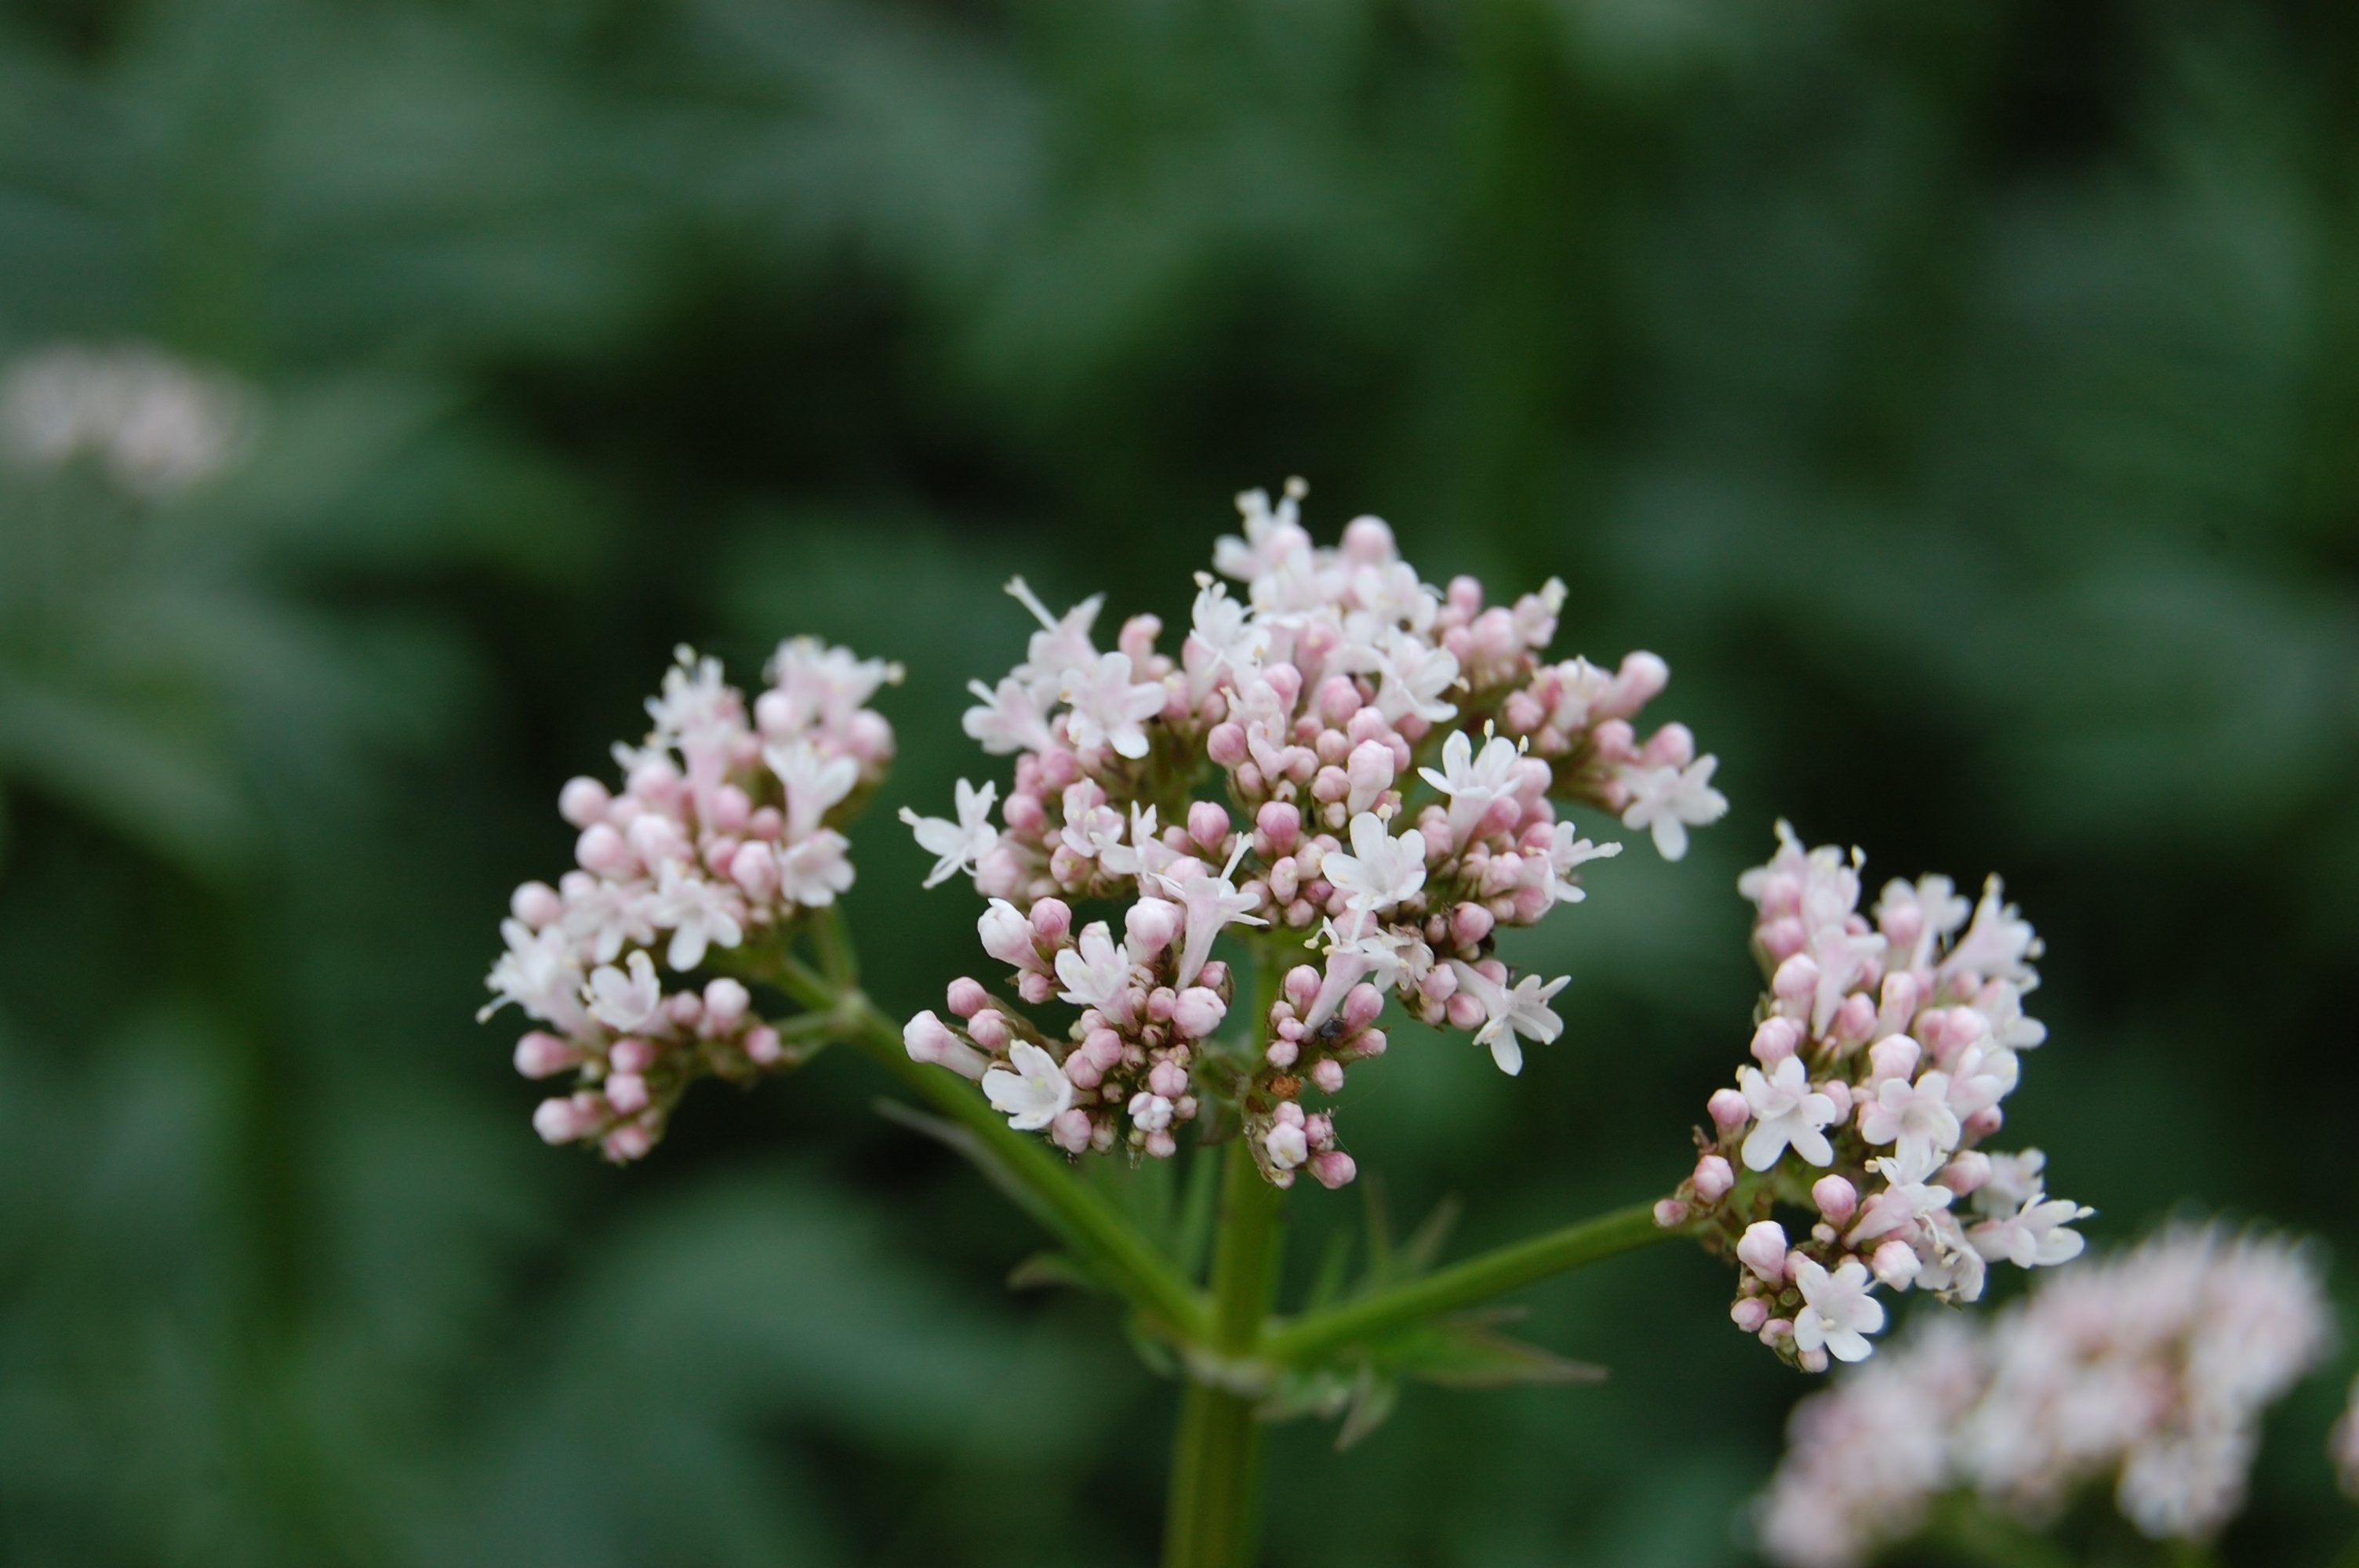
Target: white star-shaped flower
1108 708
1837 1313
1671 800
958 845
1473 782
625 1003
1381 871
1032 1096
1786 1111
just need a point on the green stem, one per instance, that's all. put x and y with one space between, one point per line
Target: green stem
1088 1224
1478 1279
1213 1512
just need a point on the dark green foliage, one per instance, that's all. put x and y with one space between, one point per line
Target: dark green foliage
1962 397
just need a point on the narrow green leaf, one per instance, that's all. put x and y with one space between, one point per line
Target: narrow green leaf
1051 1271
1372 1399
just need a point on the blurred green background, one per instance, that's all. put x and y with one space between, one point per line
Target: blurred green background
1962 397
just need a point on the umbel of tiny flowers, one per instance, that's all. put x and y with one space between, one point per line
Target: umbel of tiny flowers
2150 1367
1341 766
1881 1057
725 831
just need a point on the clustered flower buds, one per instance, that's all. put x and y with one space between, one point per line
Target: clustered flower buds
1880 1060
1317 704
153 425
2152 1367
725 831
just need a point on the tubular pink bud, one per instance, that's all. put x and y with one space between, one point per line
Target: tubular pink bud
967 997
1837 1198
762 1046
1333 1168
1749 1314
536 904
1729 1110
725 1002
1208 824
1670 1212
1226 744
601 850
1714 1178
540 1054
1775 1040
583 801
1469 924
1051 918
1762 1248
1327 1074
1198 1012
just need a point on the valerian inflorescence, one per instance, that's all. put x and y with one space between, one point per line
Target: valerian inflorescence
725 831
1881 1053
1342 764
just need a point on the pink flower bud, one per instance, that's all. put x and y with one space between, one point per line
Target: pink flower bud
1795 983
1640 679
1071 1130
1811 1360
1749 1314
1836 1198
1464 1011
1855 1020
1283 1053
1363 1004
540 1054
1198 1012
536 903
601 850
631 1055
583 801
1370 1044
967 997
1051 918
1670 1214
989 1029
1714 1178
1226 744
1966 1173
762 1046
1302 984
1894 1056
1729 1110
725 1002
1762 1248
1281 824
632 1140
754 867
928 1039
627 1092
1897 1263
1838 1094
565 1119
1208 824
1778 1333
1327 1074
1469 924
1333 1168
1148 928
767 824
1775 1040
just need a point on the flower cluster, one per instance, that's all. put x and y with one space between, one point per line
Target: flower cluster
1317 704
154 425
1881 1058
725 829
2152 1367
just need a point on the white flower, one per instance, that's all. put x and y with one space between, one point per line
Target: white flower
958 845
1473 782
1786 1110
1412 678
541 973
1035 1094
1209 902
1096 973
1997 945
815 870
1915 1117
1567 851
1228 631
1907 1197
1381 871
697 709
1287 1144
1837 1313
1930 906
1010 718
698 913
1108 707
607 916
1367 951
1061 645
625 1003
827 684
1671 800
814 781
1091 826
2014 1180
1149 1111
1522 1010
2033 1236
